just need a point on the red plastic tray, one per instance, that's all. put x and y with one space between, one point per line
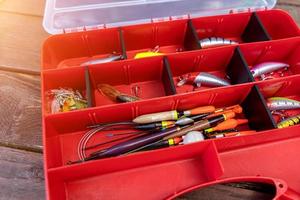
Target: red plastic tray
269 156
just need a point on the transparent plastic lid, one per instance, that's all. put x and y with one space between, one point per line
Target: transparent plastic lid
70 15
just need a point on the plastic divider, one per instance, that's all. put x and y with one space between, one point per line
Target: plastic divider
123 44
237 69
139 174
168 78
279 24
256 111
191 37
255 30
88 86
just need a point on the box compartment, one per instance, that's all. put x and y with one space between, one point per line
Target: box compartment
288 88
65 78
286 51
64 131
170 37
143 78
74 49
246 28
139 174
225 63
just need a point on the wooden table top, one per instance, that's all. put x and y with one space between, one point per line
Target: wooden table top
21 164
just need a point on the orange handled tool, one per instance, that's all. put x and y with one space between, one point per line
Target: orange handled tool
199 110
228 124
241 133
236 109
232 134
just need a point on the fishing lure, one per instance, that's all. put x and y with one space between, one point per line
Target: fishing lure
172 115
215 42
103 60
228 124
162 125
147 54
282 103
114 94
237 109
151 53
161 144
204 79
131 145
202 125
183 121
66 99
267 67
193 136
289 122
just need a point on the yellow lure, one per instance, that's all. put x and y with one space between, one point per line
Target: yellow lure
147 54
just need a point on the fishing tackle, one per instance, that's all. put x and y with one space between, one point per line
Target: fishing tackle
279 113
202 79
199 110
151 53
127 136
282 103
131 145
202 125
114 94
158 125
215 42
228 124
141 141
267 67
136 90
289 122
172 115
232 134
84 140
111 58
237 109
64 100
193 136
183 121
162 144
162 124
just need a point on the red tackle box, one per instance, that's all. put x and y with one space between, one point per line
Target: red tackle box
85 30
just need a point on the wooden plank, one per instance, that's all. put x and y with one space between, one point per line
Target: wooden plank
224 192
21 38
29 7
20 113
289 2
21 175
294 11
